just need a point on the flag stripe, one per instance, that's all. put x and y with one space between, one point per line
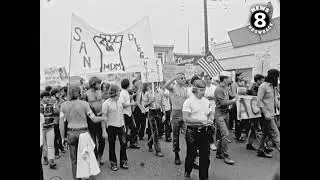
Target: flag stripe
218 66
205 66
216 70
204 62
213 69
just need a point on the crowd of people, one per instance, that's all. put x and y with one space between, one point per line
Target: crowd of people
203 108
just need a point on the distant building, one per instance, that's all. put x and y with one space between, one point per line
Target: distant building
240 54
164 53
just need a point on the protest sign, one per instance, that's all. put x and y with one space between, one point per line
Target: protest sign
152 71
55 76
115 78
94 51
247 107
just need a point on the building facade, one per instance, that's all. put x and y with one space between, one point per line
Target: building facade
250 53
164 53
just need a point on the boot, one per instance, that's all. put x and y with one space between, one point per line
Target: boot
177 158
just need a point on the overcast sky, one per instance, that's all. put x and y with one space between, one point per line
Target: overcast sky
169 21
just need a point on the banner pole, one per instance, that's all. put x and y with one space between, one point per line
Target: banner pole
70 44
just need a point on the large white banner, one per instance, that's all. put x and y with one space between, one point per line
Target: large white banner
94 51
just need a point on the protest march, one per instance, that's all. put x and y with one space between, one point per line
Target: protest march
117 96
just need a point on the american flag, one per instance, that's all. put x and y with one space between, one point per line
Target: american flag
210 65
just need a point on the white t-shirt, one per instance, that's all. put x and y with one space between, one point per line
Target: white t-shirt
125 98
199 108
114 111
41 129
190 93
210 92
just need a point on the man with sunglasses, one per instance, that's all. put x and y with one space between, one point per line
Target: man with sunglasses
178 95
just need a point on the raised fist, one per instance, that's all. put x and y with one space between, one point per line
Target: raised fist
110 49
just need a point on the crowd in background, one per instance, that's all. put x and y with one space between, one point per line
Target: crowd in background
107 111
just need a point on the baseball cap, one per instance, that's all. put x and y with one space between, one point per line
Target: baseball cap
199 83
225 73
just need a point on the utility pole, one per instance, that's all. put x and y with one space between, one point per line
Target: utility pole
188 40
206 44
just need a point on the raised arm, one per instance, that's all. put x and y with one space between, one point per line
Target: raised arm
168 84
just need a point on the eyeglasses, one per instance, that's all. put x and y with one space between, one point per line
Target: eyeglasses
182 78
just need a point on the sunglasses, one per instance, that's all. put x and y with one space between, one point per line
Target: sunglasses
182 78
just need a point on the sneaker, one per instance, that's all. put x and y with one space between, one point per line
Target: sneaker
264 154
124 165
150 149
213 147
114 167
57 156
45 161
250 147
229 161
159 154
241 139
195 165
134 146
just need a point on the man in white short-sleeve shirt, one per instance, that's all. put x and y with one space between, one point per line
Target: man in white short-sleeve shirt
198 118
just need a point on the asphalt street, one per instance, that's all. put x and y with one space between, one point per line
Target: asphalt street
144 165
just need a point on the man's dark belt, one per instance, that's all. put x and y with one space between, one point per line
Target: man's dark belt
155 109
77 129
47 126
198 129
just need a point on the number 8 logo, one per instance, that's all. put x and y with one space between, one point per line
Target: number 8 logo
260 20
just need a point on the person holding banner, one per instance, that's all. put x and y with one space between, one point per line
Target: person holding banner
221 114
178 94
139 112
198 118
127 112
252 125
154 100
94 98
167 114
267 102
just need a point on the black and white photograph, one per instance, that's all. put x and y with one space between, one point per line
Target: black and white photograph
160 89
